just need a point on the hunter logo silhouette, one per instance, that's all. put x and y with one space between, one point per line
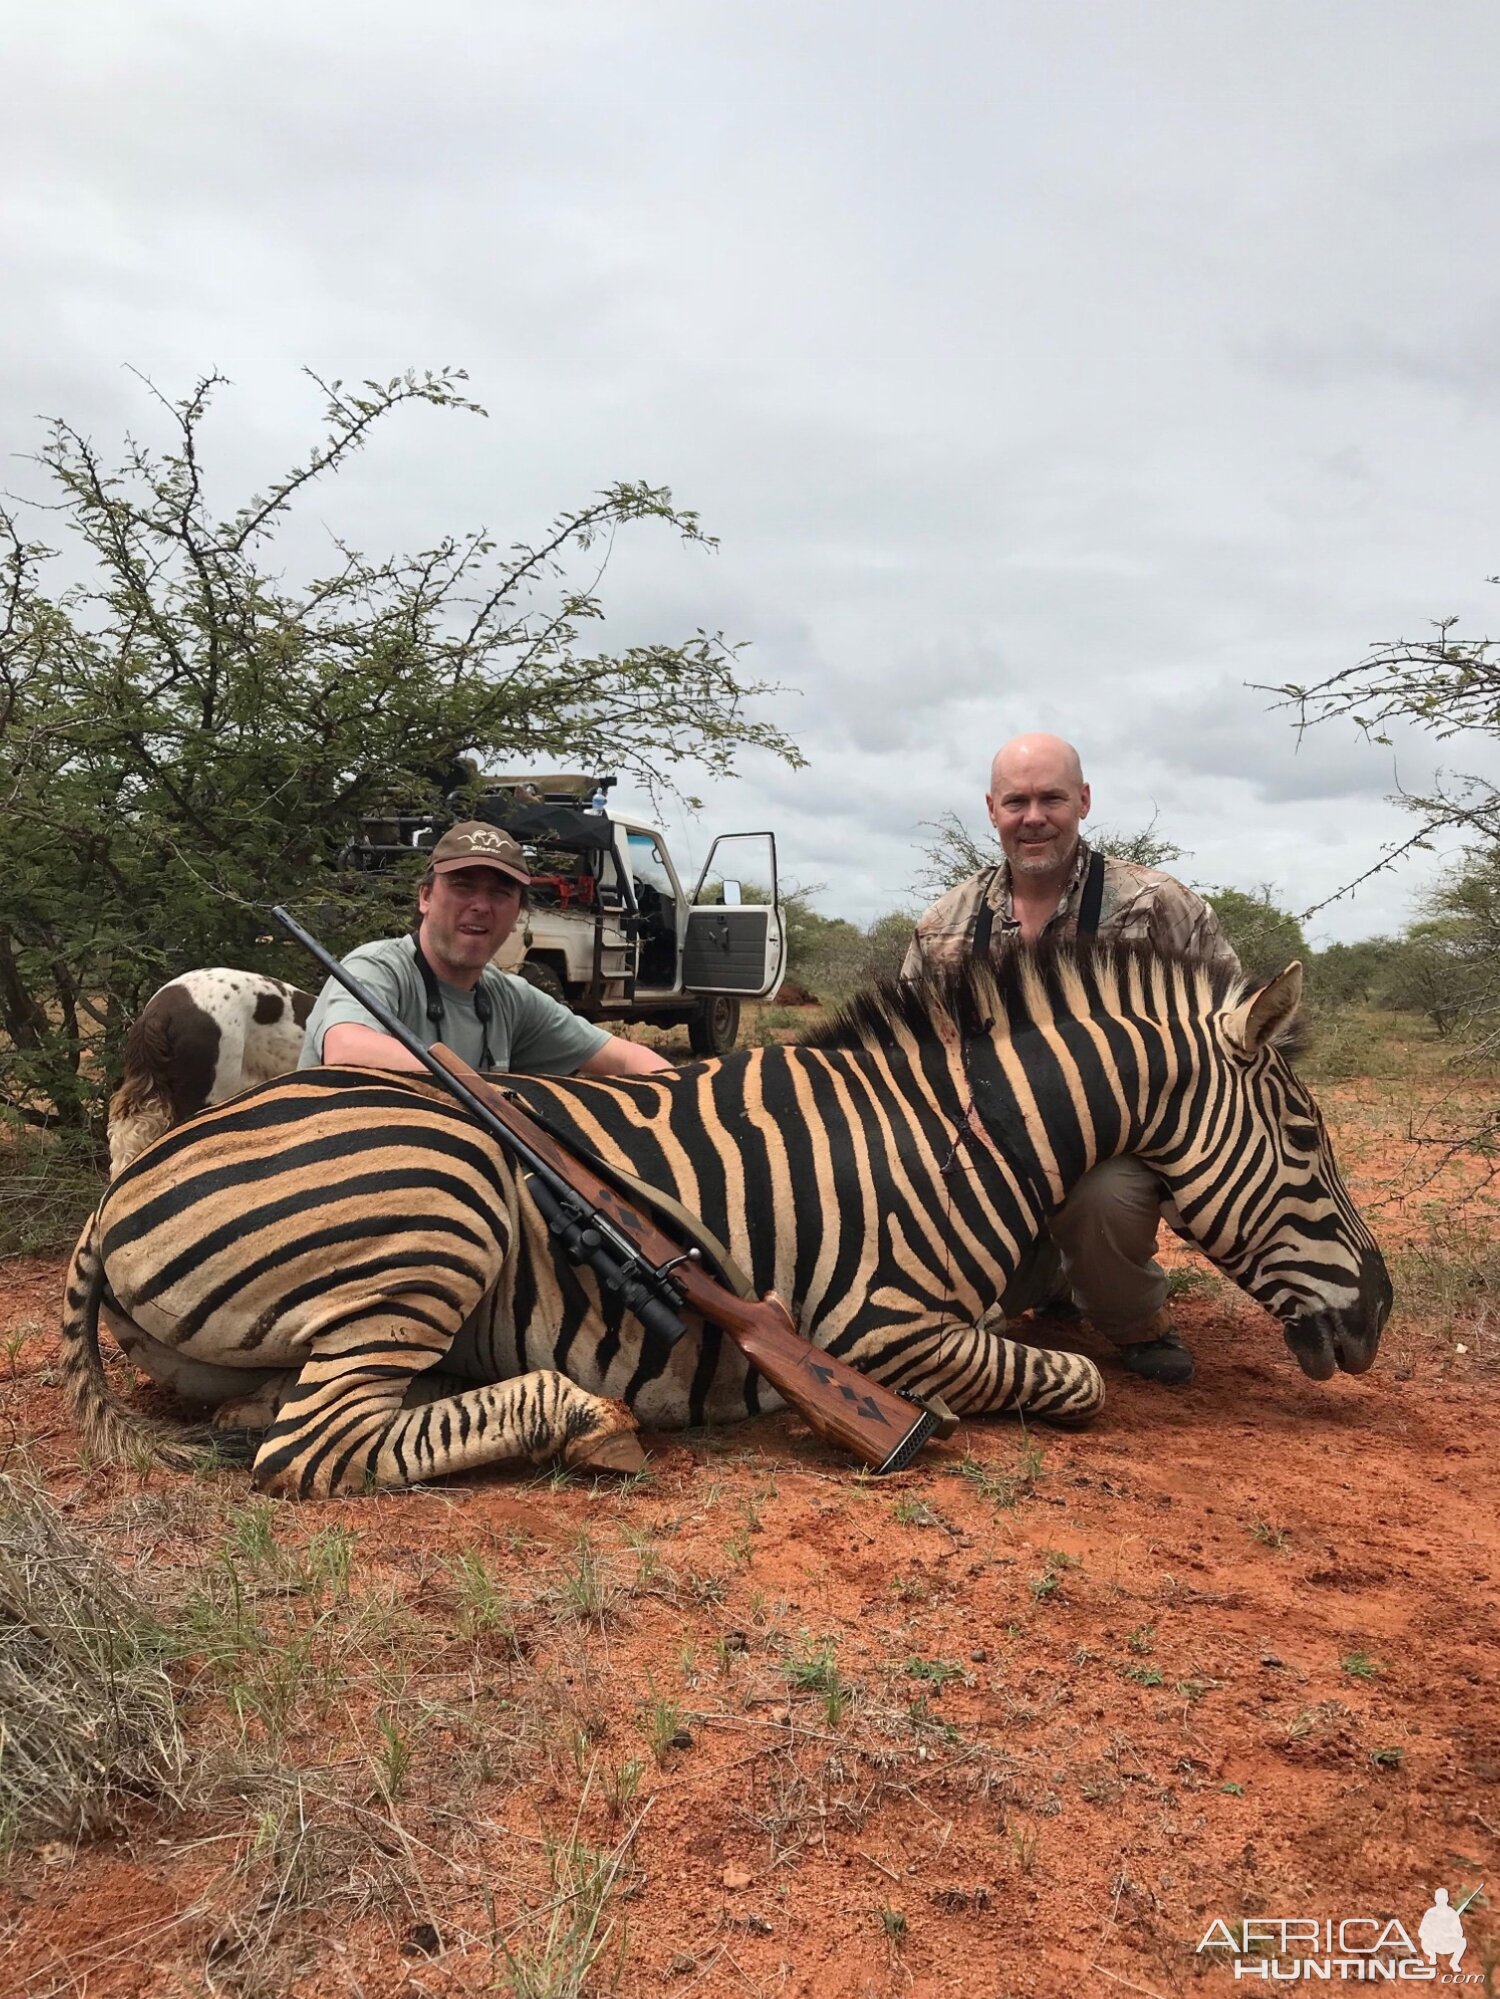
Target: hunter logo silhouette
1441 1930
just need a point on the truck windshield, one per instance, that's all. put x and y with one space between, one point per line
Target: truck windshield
647 865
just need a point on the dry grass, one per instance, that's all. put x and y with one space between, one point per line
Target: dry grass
47 1187
310 1851
87 1716
572 1935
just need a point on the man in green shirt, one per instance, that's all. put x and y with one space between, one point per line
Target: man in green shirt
441 983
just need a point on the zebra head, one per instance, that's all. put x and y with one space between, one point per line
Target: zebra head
1254 1180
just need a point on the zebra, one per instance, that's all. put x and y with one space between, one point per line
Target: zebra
307 1254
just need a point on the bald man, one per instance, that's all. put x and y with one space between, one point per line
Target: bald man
1100 1249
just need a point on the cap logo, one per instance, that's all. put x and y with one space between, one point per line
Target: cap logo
488 840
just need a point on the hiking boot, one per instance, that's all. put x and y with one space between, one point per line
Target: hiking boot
1164 1359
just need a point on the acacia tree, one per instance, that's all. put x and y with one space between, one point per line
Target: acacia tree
1450 688
1447 966
1265 938
186 737
1447 687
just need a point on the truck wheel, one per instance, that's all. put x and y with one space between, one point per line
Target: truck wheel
715 1027
546 978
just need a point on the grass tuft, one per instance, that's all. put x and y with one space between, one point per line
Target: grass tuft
87 1716
1360 1666
48 1185
1268 1535
1003 1489
575 1939
660 1722
485 1612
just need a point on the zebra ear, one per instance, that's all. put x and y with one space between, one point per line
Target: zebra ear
1268 1012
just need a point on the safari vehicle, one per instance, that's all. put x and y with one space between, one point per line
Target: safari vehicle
609 929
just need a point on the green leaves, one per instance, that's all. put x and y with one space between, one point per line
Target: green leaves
188 735
1265 938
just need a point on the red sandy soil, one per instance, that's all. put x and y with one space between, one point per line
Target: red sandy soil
1082 1718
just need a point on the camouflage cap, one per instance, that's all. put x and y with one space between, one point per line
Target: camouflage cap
472 844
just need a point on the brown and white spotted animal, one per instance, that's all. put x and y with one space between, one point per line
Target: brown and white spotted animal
199 1040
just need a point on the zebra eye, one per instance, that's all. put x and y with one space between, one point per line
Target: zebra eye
1303 1136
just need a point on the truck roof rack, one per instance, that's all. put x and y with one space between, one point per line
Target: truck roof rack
507 797
546 785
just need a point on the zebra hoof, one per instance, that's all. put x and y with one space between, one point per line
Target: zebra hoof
249 1414
620 1451
1165 1360
947 1422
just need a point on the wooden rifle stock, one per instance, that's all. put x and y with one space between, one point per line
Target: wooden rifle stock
846 1408
842 1405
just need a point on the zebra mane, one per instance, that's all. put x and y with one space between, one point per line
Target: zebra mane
972 996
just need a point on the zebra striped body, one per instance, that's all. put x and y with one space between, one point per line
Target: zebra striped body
355 1229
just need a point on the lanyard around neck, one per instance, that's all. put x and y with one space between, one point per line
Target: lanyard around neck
483 1010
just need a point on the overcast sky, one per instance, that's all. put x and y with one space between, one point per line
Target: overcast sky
1038 365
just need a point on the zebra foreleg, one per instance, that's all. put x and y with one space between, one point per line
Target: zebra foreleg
343 1430
978 1372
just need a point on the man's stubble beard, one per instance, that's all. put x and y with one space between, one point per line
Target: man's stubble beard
463 952
1051 868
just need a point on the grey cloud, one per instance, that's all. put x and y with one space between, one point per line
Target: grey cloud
1228 730
1035 368
1463 361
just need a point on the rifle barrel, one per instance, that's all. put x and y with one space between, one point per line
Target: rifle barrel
846 1408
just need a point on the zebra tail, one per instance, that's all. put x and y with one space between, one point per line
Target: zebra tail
110 1429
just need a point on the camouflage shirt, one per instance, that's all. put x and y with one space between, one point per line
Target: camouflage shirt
1141 906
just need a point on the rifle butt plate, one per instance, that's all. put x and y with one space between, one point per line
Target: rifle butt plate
926 1425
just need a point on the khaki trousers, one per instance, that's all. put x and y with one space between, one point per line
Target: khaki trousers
1100 1250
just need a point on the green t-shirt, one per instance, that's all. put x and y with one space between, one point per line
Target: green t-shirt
528 1032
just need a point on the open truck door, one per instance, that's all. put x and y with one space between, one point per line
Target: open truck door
735 941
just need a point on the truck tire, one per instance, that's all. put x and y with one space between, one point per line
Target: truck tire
715 1027
546 978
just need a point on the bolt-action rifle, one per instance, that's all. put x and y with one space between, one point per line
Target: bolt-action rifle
653 1275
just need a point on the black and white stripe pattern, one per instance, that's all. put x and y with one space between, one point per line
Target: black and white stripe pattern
309 1253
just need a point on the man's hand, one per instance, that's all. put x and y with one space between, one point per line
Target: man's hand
619 1057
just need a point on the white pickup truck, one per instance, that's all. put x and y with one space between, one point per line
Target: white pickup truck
609 928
